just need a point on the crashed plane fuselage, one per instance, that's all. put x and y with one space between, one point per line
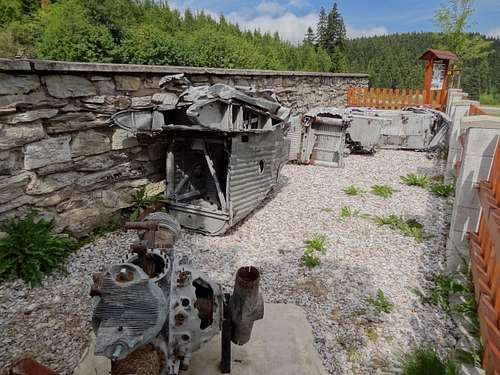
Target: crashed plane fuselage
225 148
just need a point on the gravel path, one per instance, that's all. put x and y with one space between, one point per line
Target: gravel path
52 321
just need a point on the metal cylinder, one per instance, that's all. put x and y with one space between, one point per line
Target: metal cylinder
247 304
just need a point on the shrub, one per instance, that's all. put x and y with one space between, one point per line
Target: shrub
353 190
383 191
413 179
425 361
381 303
409 227
443 190
29 250
314 246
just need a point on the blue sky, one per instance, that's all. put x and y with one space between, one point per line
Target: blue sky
362 17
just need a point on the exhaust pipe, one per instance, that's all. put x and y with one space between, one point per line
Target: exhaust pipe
246 304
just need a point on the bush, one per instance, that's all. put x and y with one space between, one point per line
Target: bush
29 250
425 361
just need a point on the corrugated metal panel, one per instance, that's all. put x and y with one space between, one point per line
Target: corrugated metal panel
253 170
295 136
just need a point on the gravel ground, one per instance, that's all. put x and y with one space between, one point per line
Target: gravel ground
52 322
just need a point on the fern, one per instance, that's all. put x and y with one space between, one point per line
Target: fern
29 250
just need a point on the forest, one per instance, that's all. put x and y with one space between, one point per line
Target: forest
151 32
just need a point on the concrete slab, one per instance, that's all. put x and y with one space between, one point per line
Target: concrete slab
281 344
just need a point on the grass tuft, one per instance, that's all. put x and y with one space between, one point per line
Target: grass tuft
413 179
353 190
443 190
426 361
347 212
384 191
409 227
314 247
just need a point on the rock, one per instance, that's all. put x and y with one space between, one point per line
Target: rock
49 151
18 84
127 83
10 161
80 221
110 176
51 183
33 115
19 135
122 139
55 198
37 99
115 199
15 203
165 98
69 86
89 143
95 100
106 87
75 121
11 187
141 101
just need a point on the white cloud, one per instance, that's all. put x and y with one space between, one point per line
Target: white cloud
495 32
353 32
288 25
270 7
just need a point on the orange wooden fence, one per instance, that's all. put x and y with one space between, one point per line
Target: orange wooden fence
485 264
395 98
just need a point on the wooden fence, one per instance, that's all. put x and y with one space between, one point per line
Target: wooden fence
395 98
485 264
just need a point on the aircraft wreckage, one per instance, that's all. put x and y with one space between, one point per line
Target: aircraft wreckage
225 149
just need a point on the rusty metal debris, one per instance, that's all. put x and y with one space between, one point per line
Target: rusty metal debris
226 147
155 309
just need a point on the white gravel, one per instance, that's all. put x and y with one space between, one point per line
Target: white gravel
52 322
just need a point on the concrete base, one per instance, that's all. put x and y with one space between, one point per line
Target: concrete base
282 343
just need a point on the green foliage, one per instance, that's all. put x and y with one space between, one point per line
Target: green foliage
10 10
142 201
347 212
381 303
426 361
314 247
409 227
490 99
413 179
384 191
443 190
353 190
30 250
64 31
16 40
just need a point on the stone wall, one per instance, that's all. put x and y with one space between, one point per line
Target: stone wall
59 155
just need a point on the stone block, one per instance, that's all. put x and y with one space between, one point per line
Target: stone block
45 152
10 161
128 83
51 183
55 198
168 98
13 204
89 143
123 139
75 121
19 135
18 84
12 187
31 116
105 87
69 86
37 99
141 101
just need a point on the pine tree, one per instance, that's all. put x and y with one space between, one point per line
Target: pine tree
332 37
309 37
321 28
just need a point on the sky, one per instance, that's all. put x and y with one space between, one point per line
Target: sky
362 17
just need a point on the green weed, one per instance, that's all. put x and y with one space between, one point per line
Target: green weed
443 190
314 247
353 190
413 179
381 303
347 212
30 249
142 201
409 227
384 191
426 361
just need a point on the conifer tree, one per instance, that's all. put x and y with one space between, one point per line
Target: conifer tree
309 37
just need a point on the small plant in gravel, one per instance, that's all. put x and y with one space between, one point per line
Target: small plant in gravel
426 361
384 191
442 190
314 247
353 190
29 249
413 179
142 201
111 226
347 212
380 302
408 227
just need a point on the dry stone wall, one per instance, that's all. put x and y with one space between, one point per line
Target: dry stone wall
59 154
